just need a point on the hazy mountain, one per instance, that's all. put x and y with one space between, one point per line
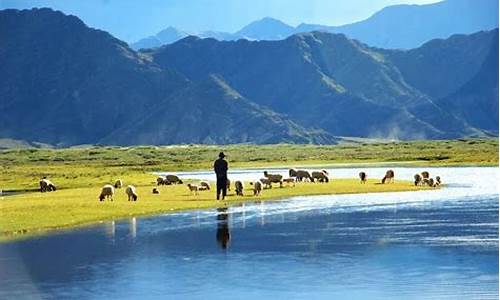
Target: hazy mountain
64 83
409 26
166 36
329 81
398 26
266 29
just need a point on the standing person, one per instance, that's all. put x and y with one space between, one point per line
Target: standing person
220 168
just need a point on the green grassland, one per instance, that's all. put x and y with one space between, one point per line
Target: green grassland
80 172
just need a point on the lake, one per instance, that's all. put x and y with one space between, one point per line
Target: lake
439 244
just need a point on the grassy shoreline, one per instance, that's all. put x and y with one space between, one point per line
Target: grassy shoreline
80 172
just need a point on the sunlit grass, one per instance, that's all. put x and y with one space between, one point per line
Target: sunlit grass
32 212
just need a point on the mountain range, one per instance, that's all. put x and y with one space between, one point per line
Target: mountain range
67 84
394 27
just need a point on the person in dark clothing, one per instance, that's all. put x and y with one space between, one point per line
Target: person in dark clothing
220 168
223 235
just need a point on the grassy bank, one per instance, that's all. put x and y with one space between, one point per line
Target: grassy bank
80 172
35 212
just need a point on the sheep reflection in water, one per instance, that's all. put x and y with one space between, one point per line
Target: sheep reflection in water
223 235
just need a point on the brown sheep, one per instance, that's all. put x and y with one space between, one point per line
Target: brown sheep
289 180
321 176
238 187
425 174
266 182
438 181
173 179
257 187
431 182
118 184
193 188
418 179
362 177
389 175
300 174
131 193
274 178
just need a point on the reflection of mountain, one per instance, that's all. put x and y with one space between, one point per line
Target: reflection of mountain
398 26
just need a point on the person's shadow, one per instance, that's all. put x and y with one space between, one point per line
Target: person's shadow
223 234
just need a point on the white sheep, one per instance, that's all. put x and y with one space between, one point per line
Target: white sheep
131 193
107 191
46 185
205 184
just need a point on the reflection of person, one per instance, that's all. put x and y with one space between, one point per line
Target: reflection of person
223 235
220 168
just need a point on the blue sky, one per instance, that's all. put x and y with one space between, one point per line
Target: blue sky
131 20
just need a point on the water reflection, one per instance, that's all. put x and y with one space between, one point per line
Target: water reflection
132 227
223 234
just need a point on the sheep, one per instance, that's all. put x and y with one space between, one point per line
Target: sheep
257 187
131 193
300 174
161 180
107 191
193 188
118 184
274 178
205 184
238 187
418 179
431 182
289 180
362 177
389 175
46 186
321 176
156 191
438 181
266 182
173 179
425 174
425 181
202 188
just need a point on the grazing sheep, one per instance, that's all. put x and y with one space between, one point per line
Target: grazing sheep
425 174
238 187
156 191
321 176
299 174
418 179
202 188
274 178
46 186
173 179
193 188
205 184
425 181
131 193
389 175
362 177
107 191
161 180
118 184
438 181
290 180
266 182
257 188
431 182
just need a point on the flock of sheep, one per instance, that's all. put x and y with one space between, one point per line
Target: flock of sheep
265 182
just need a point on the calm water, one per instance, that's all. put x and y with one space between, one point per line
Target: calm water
426 245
